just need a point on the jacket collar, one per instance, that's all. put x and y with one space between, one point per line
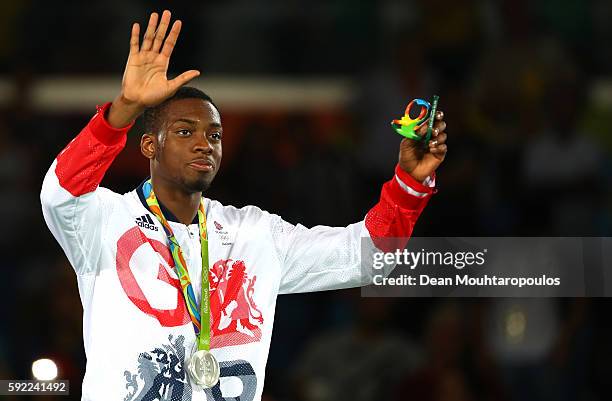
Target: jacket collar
167 213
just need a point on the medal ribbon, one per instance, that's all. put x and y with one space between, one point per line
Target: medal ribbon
199 317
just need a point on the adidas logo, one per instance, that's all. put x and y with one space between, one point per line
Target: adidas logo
145 221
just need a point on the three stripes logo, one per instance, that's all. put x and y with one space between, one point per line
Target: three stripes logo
145 221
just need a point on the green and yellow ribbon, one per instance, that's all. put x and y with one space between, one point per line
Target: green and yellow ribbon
200 317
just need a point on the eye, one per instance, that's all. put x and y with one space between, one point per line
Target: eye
183 132
216 135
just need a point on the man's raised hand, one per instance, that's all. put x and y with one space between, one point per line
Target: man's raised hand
422 161
145 81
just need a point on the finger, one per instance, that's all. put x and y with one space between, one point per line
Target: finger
135 38
171 39
182 79
439 115
161 30
150 33
440 140
439 151
439 126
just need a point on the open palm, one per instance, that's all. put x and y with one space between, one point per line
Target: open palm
145 79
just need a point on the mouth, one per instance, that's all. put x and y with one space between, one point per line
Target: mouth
202 165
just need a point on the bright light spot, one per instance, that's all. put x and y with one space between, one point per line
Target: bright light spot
44 369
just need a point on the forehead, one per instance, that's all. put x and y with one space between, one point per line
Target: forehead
193 109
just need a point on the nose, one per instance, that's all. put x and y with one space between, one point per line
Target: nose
201 143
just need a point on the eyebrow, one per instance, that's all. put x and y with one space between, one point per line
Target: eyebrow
194 122
185 120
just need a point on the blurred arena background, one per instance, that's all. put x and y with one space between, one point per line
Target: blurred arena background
306 91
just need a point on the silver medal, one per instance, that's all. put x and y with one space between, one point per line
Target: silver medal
203 369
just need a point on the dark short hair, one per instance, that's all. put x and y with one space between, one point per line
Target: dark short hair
152 116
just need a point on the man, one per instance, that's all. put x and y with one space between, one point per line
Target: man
139 256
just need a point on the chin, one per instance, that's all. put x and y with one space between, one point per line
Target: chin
198 185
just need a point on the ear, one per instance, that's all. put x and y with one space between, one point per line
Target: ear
148 145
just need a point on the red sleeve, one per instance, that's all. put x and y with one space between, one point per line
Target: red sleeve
397 211
83 163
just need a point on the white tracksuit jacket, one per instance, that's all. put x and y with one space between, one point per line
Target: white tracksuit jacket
136 329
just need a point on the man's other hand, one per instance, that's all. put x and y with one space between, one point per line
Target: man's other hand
421 161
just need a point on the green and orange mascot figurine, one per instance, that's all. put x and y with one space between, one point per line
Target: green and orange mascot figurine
408 126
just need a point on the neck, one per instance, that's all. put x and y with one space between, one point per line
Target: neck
183 204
